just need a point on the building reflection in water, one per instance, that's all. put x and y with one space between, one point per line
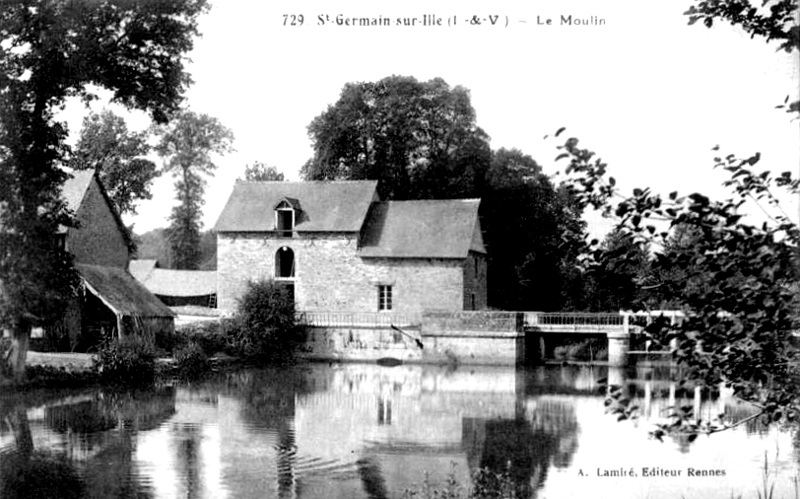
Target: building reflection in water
333 431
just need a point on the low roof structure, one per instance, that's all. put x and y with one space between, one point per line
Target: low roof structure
181 283
329 206
422 229
121 293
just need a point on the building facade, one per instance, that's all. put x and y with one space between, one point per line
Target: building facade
340 249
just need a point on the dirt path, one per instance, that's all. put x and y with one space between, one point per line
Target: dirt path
69 361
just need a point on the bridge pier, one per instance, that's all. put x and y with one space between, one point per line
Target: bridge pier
619 344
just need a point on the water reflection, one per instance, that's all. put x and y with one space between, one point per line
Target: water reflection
353 430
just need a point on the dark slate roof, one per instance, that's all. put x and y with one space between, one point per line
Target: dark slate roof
184 283
422 229
326 206
120 291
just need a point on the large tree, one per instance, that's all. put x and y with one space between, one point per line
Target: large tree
119 158
187 144
418 139
50 51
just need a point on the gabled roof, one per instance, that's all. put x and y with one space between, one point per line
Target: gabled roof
327 206
121 292
182 283
422 229
73 190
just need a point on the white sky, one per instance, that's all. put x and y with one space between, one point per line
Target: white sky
648 93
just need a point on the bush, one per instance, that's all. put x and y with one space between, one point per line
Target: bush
191 361
129 361
207 335
266 326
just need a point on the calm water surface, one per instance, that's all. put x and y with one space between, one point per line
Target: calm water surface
365 431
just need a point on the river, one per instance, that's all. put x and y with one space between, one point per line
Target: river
367 431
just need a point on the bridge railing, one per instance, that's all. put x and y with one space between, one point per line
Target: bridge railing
359 319
573 319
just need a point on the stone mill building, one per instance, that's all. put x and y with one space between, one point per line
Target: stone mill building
338 247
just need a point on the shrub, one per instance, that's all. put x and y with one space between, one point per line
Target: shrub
207 335
266 326
128 361
191 361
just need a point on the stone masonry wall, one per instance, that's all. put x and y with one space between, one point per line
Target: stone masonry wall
98 240
330 276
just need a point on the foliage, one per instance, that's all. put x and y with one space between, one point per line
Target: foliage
118 156
532 234
262 172
51 51
209 336
187 145
617 281
154 245
191 361
773 20
267 325
418 139
737 325
486 484
130 361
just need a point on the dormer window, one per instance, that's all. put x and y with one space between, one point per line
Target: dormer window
285 213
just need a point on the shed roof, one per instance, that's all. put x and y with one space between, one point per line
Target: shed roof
120 291
183 283
327 206
422 229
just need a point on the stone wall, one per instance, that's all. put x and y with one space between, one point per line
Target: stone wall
98 240
361 344
493 338
488 338
330 276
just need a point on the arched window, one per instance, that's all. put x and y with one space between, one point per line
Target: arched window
284 263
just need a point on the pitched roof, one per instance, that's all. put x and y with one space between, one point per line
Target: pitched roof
73 190
120 291
422 229
326 206
184 283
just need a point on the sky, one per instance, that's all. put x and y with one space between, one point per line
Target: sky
650 94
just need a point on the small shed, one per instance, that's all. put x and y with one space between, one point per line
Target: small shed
115 304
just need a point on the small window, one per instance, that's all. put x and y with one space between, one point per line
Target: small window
472 301
476 267
384 297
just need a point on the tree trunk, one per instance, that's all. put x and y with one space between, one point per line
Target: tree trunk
17 356
18 422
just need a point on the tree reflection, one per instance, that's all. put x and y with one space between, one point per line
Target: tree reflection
525 448
27 473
